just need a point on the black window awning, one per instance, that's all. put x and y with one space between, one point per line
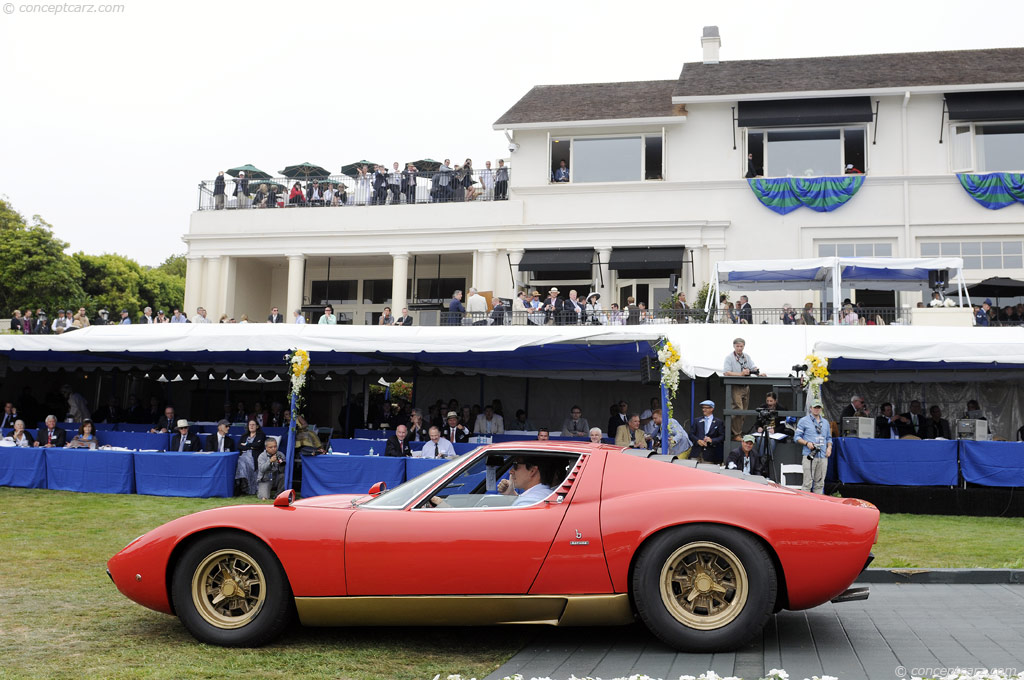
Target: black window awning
823 111
1007 105
558 260
651 258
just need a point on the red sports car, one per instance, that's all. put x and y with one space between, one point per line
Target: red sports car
572 534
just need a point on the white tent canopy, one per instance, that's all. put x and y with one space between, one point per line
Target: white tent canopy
829 273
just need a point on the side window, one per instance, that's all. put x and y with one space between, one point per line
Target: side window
507 479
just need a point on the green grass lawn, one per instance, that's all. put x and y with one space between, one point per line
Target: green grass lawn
61 617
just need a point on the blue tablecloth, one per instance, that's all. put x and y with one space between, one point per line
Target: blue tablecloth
349 474
195 475
414 467
907 462
992 463
134 427
136 441
24 467
95 471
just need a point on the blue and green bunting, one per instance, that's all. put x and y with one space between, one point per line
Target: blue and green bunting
996 189
821 194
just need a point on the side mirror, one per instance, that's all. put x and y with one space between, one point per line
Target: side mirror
378 488
285 498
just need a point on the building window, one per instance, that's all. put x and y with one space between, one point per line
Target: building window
629 158
855 249
807 152
337 292
987 147
979 254
438 290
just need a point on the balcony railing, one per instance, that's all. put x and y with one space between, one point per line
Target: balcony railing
637 317
344 191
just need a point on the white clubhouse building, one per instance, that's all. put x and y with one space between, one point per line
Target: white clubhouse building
656 186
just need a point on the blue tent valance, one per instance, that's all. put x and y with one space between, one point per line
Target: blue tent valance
994 190
821 194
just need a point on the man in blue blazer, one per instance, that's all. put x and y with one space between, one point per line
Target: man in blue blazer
708 434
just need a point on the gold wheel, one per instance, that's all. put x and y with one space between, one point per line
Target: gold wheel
704 585
228 589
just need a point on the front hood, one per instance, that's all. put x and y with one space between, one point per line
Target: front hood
331 501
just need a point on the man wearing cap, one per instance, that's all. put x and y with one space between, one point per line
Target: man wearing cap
743 458
708 434
981 316
553 305
125 321
59 323
184 440
738 363
815 435
221 441
454 431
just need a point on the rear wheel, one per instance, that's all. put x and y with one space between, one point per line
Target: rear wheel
704 587
229 589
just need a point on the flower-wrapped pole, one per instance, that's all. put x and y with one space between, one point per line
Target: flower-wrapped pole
671 368
298 363
815 376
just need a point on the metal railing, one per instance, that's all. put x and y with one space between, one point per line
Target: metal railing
869 316
343 190
636 317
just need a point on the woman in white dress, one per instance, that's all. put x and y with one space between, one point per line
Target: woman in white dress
364 184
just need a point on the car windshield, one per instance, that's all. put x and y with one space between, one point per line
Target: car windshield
400 496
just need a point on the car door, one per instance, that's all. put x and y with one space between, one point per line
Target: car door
454 550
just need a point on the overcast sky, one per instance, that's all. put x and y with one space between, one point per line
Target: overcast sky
109 121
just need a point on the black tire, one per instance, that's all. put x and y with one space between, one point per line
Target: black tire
229 589
704 587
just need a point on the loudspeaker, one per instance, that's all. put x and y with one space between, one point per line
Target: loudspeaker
673 283
938 279
650 371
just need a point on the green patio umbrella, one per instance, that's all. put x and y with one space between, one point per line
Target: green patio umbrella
426 164
352 168
305 171
250 171
256 184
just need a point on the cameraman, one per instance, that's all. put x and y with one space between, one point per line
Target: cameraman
739 364
769 416
815 435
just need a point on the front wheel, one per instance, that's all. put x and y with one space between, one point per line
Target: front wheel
229 589
704 588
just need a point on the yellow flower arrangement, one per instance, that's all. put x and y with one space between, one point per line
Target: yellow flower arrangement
817 368
671 368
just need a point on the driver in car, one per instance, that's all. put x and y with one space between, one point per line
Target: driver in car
534 476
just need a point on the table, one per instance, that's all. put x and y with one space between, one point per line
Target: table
24 467
194 475
349 474
904 462
90 470
992 463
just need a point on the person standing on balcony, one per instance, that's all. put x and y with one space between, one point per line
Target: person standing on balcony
487 180
409 184
380 185
746 312
476 305
328 317
395 184
275 316
739 363
218 191
456 310
458 184
501 182
444 182
363 181
467 181
242 191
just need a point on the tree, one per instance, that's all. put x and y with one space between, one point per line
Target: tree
34 269
175 266
162 290
111 282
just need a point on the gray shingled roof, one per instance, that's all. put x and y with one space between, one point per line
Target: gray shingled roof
854 72
593 101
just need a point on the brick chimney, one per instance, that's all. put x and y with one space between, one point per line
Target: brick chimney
711 42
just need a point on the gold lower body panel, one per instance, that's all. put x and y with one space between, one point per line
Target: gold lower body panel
466 610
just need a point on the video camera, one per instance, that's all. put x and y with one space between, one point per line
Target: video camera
766 416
